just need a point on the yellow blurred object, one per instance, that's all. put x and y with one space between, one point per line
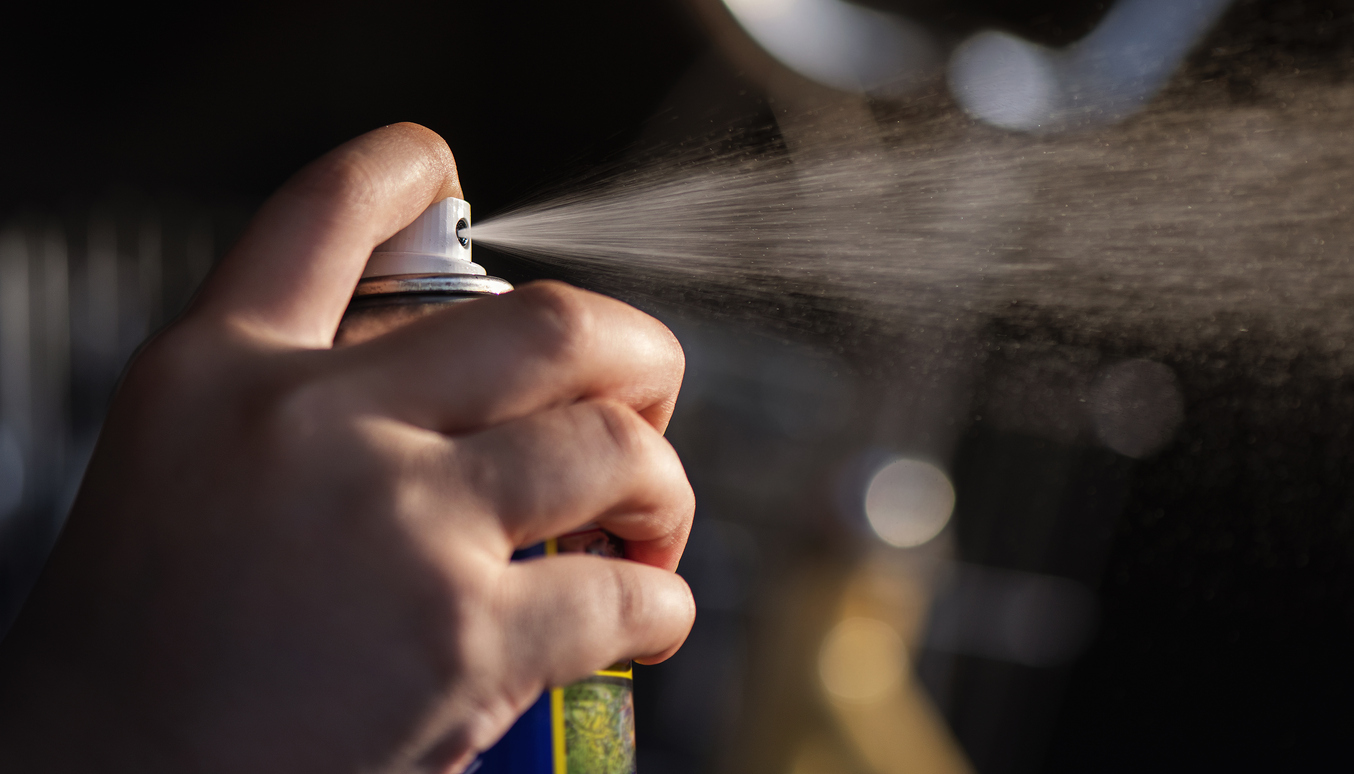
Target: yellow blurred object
890 721
819 755
832 691
862 660
901 734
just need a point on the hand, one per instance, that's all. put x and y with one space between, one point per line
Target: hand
291 558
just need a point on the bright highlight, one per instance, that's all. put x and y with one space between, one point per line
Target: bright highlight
908 502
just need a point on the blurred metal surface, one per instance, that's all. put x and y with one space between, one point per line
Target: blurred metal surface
78 295
889 50
1105 77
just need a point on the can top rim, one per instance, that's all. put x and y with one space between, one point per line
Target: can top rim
476 284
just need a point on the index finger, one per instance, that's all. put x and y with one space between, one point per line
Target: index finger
292 273
492 360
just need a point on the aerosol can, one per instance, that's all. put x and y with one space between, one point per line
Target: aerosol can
584 728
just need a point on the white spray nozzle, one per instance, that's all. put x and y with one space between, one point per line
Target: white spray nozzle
437 242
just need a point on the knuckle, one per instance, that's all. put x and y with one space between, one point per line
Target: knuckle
625 593
473 630
685 496
476 656
300 414
316 413
626 432
562 318
481 475
675 350
300 411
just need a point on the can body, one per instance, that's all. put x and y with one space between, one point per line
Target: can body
584 728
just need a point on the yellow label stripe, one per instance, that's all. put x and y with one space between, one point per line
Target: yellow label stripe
557 730
628 674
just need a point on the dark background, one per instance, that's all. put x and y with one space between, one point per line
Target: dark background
1227 627
227 100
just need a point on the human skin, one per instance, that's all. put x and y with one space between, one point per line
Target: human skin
292 558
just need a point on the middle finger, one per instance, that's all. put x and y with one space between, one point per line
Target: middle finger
594 461
492 360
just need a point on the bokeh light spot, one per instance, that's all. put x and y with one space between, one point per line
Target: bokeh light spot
908 502
1004 80
862 659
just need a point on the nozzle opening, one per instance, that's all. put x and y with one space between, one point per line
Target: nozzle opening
463 232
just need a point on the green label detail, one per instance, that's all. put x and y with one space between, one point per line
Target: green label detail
599 726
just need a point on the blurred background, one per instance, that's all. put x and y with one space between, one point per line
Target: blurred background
1027 545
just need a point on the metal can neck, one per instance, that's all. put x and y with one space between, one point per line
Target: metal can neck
457 284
